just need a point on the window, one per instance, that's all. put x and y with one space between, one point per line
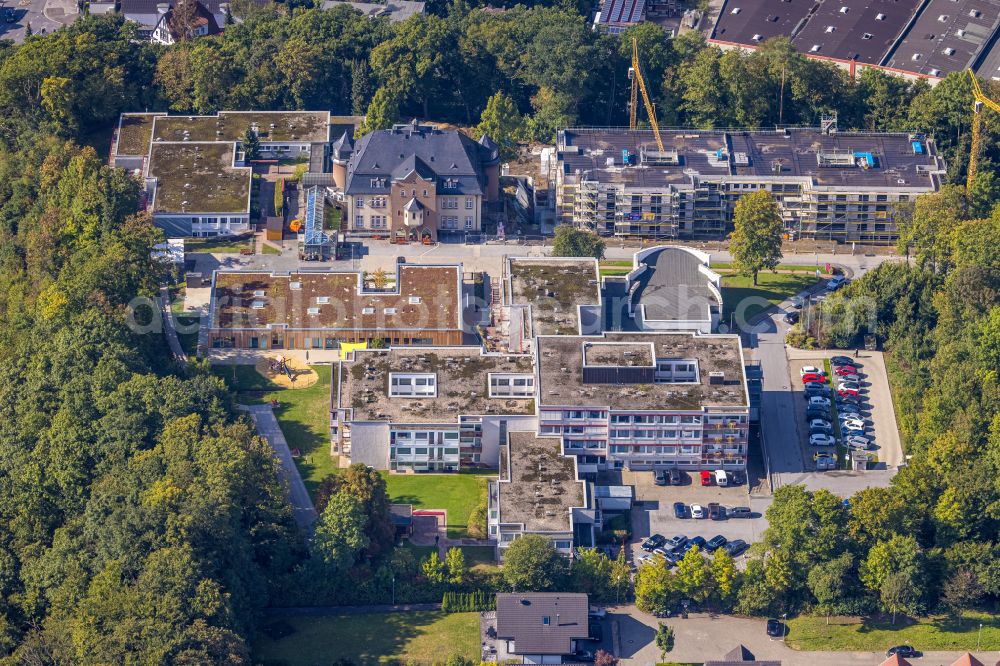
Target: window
468 203
468 223
359 202
412 386
359 221
515 386
682 371
545 620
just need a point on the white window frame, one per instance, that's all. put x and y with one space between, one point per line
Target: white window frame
412 385
505 385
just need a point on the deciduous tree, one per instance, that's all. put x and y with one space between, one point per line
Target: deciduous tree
755 242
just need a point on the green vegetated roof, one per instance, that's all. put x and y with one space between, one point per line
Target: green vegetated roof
312 126
135 133
198 178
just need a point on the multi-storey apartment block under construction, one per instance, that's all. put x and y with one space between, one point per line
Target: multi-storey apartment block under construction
840 186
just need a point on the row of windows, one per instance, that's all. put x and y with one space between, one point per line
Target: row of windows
657 450
503 386
655 434
654 418
451 222
412 386
422 451
380 202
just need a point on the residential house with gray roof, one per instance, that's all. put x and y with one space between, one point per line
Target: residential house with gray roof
416 181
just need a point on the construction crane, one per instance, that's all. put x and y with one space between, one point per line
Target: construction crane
979 100
639 85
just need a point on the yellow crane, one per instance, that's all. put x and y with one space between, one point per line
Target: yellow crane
979 100
639 85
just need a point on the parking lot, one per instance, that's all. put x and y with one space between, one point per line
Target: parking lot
653 512
874 409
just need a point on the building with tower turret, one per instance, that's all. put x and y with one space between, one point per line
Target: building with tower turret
415 181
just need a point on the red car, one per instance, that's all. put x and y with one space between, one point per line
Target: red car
845 392
813 379
846 370
706 477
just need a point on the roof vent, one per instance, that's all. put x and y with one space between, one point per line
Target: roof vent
295 285
717 378
312 311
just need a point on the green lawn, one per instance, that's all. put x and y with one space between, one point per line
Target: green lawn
270 249
481 557
877 634
303 414
771 289
458 494
224 244
424 637
189 341
613 271
797 268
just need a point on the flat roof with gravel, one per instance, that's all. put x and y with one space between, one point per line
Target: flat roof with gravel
426 298
561 377
299 126
134 133
555 288
198 178
538 487
462 378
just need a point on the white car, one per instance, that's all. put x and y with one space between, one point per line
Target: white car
697 511
858 442
850 378
810 370
836 282
820 424
819 401
853 424
822 440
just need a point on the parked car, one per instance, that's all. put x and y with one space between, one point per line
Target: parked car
856 442
739 512
791 318
775 628
695 541
680 510
845 385
813 379
676 478
822 440
819 401
653 542
820 423
810 370
825 461
852 423
843 360
852 378
716 511
706 477
817 413
847 392
842 370
715 543
814 388
721 478
836 282
736 547
660 477
676 541
798 302
697 511
904 651
853 432
847 398
848 409
820 431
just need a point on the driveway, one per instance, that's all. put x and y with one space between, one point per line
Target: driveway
701 637
267 427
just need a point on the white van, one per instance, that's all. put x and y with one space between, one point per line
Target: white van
721 478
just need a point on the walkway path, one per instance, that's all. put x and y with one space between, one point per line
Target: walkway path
168 326
267 426
701 637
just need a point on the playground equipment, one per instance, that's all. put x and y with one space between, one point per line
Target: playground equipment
295 225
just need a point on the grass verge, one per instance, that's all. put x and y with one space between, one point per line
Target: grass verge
223 245
458 494
739 294
303 414
479 557
794 268
877 634
270 249
376 638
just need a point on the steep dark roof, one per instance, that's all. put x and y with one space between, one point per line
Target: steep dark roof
520 617
434 153
741 655
342 147
672 287
412 205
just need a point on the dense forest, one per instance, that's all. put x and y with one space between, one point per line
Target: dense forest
140 517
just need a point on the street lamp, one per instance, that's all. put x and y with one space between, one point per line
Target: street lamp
784 626
979 637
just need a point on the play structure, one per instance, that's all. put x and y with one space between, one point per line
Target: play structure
287 372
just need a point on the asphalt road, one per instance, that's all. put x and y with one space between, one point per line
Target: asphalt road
267 426
43 15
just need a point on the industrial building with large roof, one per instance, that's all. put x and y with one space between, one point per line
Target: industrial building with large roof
918 38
